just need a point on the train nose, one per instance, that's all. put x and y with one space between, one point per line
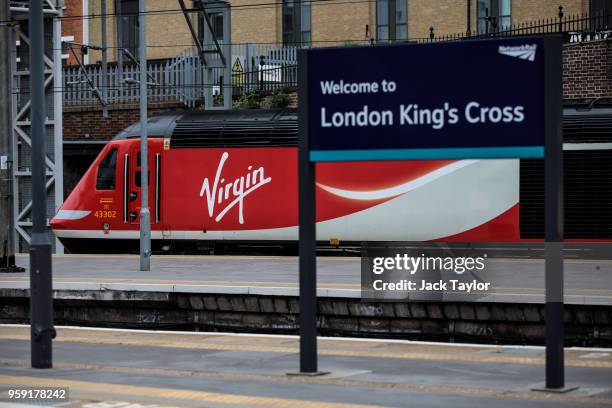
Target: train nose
55 223
63 217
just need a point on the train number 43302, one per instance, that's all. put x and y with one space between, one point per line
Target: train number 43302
105 214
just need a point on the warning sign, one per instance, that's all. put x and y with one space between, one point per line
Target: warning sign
238 70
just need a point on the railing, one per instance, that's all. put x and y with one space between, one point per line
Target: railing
576 28
265 78
182 79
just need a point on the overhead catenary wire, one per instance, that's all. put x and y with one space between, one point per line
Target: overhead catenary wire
269 5
257 6
275 43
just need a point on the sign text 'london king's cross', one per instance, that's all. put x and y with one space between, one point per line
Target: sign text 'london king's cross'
476 99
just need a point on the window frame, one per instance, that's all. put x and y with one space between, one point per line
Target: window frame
495 9
114 153
217 21
123 22
392 23
300 17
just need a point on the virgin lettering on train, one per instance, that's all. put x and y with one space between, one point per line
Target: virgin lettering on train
224 195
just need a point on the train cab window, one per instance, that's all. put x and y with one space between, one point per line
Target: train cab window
106 179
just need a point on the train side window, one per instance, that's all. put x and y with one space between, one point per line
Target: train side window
106 179
137 178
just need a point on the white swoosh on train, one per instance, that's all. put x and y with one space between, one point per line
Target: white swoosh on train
400 188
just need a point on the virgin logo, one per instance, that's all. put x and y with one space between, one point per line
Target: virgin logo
226 195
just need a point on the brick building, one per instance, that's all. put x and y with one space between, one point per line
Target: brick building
74 29
319 23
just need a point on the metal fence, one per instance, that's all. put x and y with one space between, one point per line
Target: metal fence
182 79
575 28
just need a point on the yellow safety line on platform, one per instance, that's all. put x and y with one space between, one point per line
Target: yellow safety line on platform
168 393
235 376
347 352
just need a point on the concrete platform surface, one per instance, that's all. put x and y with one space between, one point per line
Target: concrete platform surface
115 368
517 280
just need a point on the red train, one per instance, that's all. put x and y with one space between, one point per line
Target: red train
231 176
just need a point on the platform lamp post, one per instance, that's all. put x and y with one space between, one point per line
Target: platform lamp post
41 302
145 214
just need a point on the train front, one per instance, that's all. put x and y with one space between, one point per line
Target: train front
101 214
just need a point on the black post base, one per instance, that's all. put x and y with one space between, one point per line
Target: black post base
541 387
309 374
41 302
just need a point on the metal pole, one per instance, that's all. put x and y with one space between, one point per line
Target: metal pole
145 215
307 229
553 190
120 45
227 50
103 79
7 242
58 135
41 303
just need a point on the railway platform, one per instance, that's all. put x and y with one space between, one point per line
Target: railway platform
587 281
260 294
104 368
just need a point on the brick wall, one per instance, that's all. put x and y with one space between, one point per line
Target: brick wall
587 70
340 22
73 26
529 10
446 16
88 124
255 21
258 21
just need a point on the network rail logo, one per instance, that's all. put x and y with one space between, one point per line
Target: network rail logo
525 52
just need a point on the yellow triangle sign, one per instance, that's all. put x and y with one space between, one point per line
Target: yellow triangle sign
237 67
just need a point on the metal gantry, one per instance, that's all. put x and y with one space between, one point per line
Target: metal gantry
21 118
213 53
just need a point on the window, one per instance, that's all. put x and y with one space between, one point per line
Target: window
494 15
600 7
602 10
138 178
216 20
297 25
127 25
107 171
391 20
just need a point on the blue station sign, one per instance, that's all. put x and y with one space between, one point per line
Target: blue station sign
463 99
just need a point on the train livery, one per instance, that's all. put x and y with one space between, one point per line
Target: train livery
231 176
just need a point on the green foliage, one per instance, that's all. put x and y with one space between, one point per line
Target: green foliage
251 99
218 100
278 99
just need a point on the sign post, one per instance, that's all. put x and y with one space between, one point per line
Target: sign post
307 232
41 296
505 104
553 213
